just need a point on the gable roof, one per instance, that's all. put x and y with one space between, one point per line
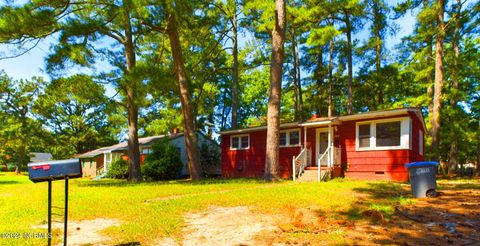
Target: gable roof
337 119
124 145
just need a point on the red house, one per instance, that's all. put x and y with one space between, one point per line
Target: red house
373 145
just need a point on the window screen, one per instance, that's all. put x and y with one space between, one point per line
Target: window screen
283 138
234 144
388 134
244 142
294 138
364 136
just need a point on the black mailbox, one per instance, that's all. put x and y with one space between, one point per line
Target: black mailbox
52 170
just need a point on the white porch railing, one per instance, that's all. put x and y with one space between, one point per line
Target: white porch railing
330 157
299 163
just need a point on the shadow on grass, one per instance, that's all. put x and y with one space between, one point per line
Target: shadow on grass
125 183
5 182
380 197
461 186
129 244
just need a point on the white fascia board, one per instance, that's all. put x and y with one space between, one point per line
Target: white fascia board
254 129
318 123
368 115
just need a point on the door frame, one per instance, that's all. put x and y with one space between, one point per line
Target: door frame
317 142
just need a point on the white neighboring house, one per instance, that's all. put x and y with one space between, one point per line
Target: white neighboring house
96 163
39 156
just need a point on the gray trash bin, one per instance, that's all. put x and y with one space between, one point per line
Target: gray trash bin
423 178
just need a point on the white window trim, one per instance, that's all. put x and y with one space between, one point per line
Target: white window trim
405 134
239 141
420 142
287 145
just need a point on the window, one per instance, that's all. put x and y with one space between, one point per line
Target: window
420 142
240 142
364 136
388 134
146 151
295 138
244 142
290 138
383 134
283 139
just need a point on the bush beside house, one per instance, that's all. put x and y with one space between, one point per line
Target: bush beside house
118 169
163 163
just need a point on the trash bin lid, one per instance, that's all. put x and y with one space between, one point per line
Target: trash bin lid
421 164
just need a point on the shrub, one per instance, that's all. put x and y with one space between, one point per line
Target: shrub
210 158
118 169
163 163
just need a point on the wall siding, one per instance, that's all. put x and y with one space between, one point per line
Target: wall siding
377 164
369 165
251 162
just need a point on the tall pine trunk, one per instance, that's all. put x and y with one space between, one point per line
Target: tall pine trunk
452 161
190 136
296 78
272 162
348 30
22 149
134 172
234 70
378 52
437 98
478 147
319 76
330 80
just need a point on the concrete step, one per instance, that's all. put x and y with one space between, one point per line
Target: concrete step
310 175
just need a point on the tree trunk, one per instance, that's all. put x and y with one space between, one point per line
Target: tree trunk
296 78
193 153
134 171
295 86
348 30
299 81
478 148
429 79
330 80
234 70
22 150
272 162
296 72
319 80
437 98
452 161
378 52
210 126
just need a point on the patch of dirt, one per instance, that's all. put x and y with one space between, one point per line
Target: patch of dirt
85 231
224 226
452 218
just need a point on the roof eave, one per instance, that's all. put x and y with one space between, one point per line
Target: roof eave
376 114
258 128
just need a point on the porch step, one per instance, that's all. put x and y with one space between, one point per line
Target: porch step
315 168
309 175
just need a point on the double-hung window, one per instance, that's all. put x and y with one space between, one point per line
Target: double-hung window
383 134
290 138
240 142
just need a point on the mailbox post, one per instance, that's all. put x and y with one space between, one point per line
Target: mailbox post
55 170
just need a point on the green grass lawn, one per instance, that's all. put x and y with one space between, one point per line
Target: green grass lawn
153 210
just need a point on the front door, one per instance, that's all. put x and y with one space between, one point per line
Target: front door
322 144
